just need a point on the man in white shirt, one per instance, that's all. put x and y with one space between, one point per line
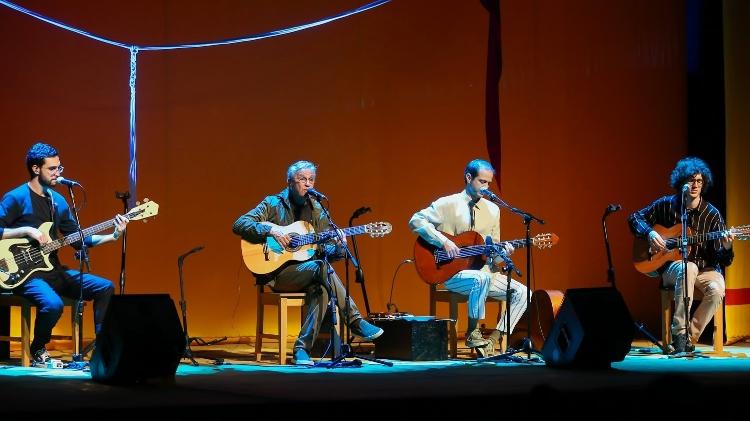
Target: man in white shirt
468 211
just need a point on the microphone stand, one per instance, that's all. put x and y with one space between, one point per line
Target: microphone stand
684 252
83 259
611 274
509 354
183 306
528 218
345 349
124 197
359 276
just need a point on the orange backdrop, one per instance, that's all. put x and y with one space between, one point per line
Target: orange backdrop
389 103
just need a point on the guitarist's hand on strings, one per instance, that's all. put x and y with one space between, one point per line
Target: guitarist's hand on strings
37 235
657 243
121 223
280 237
727 239
451 249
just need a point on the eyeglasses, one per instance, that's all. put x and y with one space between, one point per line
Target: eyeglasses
58 170
696 181
305 180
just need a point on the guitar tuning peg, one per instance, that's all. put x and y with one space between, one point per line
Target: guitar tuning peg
138 203
146 200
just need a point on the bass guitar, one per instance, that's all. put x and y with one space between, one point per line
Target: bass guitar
435 267
648 261
266 257
21 257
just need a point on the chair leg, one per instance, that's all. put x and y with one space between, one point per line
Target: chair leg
453 331
26 335
504 338
719 329
282 330
259 328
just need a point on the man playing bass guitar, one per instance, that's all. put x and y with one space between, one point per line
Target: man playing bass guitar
22 211
690 179
468 211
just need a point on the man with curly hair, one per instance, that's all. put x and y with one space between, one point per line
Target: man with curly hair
690 179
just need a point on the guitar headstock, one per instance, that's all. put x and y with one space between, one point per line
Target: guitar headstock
544 241
143 211
378 229
740 233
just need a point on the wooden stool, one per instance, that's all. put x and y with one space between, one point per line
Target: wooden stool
283 301
9 300
667 299
453 299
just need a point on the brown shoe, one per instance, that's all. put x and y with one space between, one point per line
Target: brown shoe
475 339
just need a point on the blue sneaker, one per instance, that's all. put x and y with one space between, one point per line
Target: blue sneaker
301 357
365 330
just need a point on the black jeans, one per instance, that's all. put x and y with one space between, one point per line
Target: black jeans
310 277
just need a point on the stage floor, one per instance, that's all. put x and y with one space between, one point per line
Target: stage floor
645 383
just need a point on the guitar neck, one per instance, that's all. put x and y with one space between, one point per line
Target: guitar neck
479 249
314 238
695 239
75 237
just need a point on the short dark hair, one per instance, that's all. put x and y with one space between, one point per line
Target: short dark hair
686 169
475 165
37 154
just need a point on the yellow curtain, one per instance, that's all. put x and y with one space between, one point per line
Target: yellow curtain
737 86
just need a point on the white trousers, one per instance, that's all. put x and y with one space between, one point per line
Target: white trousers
477 285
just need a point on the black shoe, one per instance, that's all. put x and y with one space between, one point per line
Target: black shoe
40 357
682 343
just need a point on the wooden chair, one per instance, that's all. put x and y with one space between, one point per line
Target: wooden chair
9 300
282 301
667 299
453 299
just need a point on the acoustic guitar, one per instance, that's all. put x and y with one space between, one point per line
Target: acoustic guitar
21 257
648 261
435 267
268 256
543 307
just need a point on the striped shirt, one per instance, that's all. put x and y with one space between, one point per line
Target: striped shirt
704 219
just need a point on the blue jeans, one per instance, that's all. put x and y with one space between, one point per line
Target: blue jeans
45 293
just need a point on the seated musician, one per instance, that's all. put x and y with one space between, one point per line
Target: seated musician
690 179
293 204
23 210
468 211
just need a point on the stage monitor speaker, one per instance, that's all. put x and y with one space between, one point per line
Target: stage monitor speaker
592 329
141 339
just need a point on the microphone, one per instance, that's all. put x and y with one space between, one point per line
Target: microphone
65 181
613 208
316 194
685 188
361 211
195 250
489 195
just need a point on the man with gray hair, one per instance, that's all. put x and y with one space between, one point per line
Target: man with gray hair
268 219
